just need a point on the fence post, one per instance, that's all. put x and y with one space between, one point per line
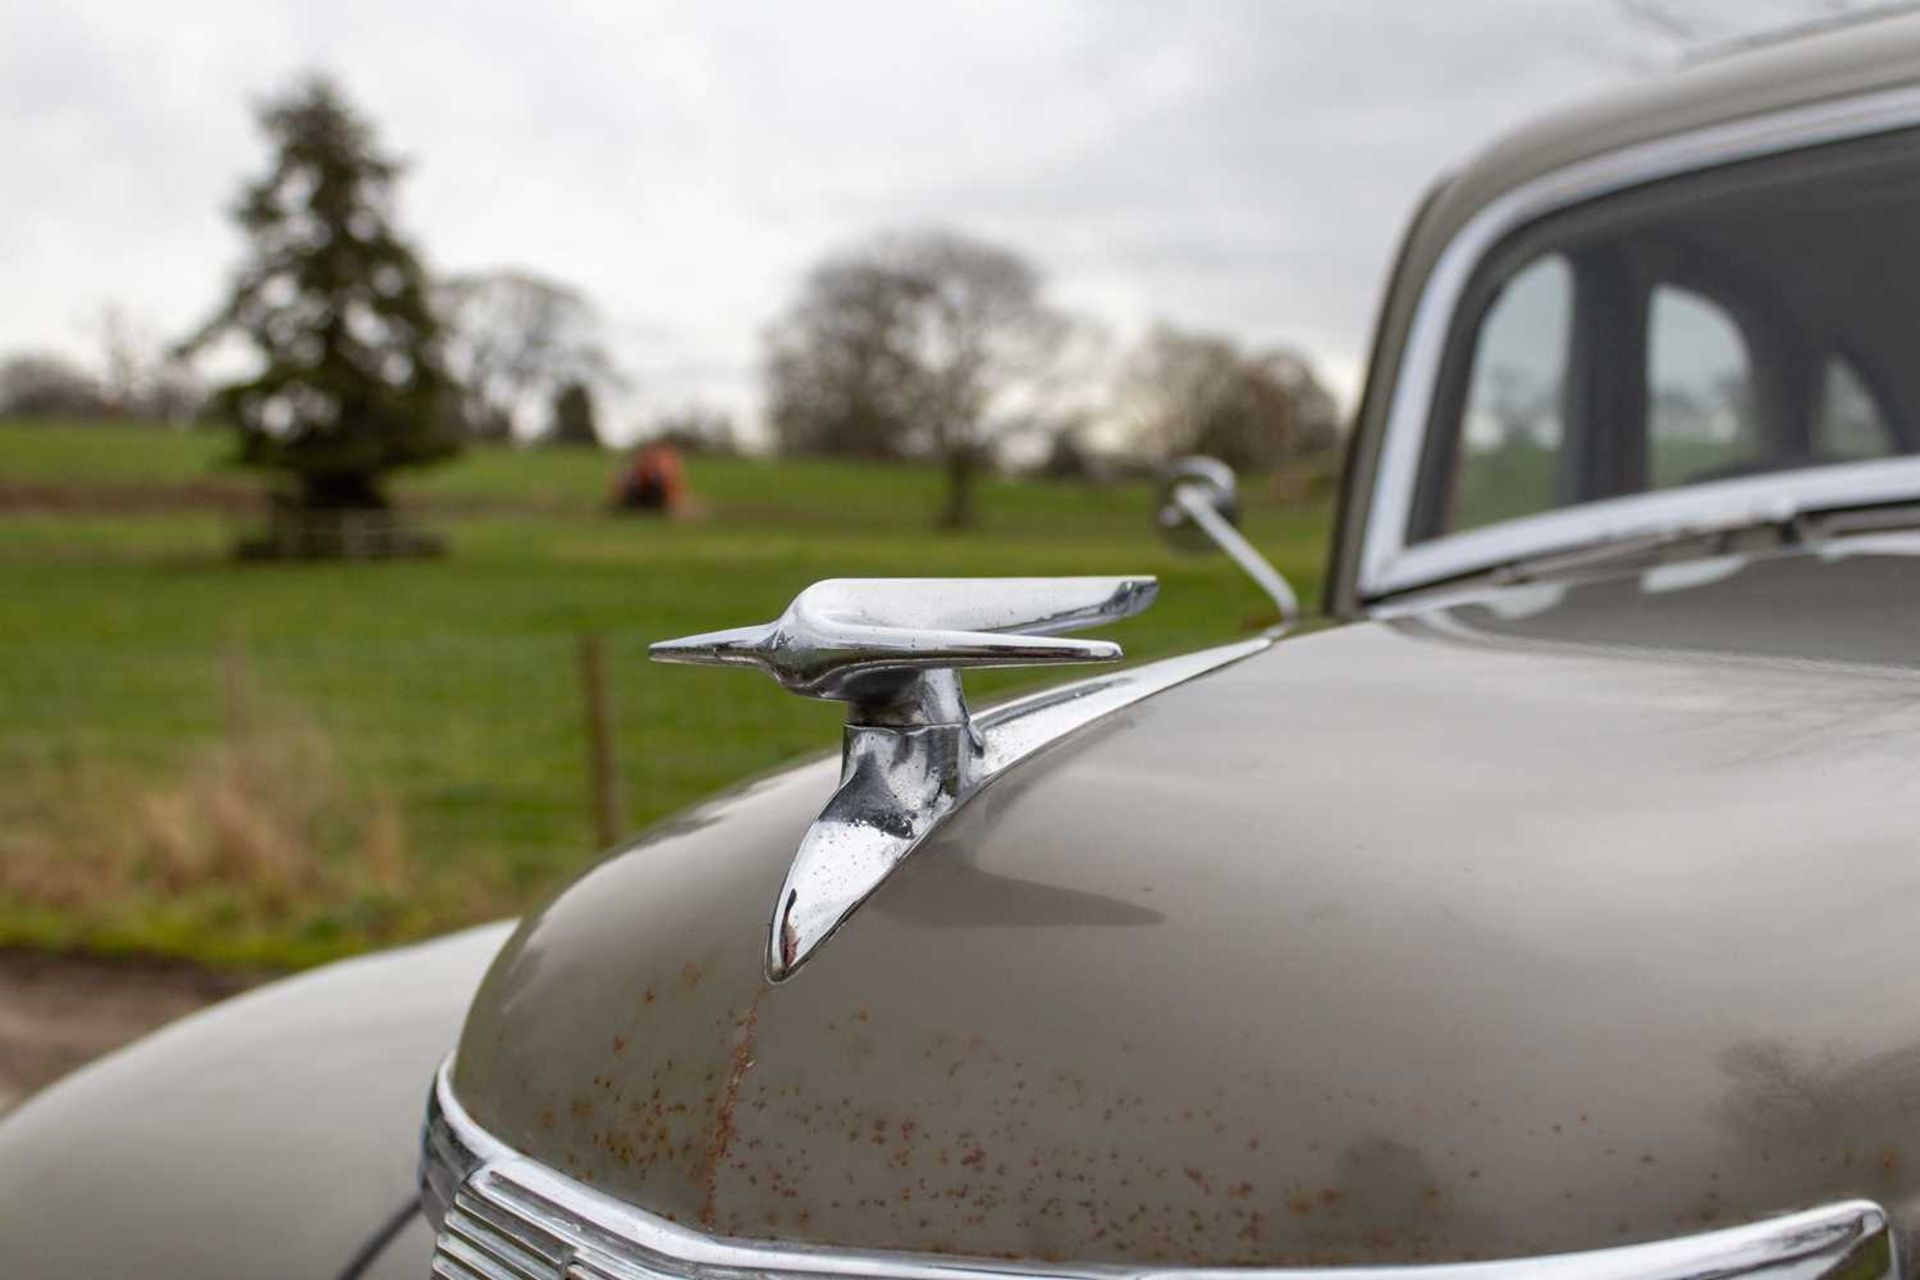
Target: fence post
603 772
236 684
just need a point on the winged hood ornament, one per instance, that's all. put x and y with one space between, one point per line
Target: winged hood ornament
892 649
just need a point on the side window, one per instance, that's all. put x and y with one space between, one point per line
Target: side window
1700 391
1847 425
1722 331
1512 425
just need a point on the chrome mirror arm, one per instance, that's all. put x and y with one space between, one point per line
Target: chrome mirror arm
1230 540
1199 493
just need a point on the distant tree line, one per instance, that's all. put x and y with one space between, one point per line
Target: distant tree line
1182 393
922 344
134 377
934 344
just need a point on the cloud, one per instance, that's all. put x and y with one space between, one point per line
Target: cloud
1240 165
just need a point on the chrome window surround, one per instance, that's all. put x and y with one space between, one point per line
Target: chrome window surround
500 1216
1388 564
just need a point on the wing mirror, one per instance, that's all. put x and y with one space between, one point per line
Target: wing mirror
1199 508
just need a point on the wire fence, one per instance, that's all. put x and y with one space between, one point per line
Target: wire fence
252 798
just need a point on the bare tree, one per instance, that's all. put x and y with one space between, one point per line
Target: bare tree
984 340
515 341
1173 391
1315 426
122 357
1185 392
171 391
841 367
140 375
921 342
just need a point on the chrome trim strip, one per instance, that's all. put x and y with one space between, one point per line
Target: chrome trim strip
500 1216
1014 730
1388 564
452 1146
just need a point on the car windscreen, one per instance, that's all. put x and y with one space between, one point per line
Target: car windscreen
1754 319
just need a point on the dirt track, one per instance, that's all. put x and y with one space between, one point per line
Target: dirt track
99 499
230 497
58 1012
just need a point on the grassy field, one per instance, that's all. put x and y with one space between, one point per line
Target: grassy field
278 764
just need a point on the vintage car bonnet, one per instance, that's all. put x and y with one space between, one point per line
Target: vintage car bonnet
1560 917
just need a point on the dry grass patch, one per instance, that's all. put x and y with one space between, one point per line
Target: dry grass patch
260 836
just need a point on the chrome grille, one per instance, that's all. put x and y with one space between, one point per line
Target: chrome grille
486 1237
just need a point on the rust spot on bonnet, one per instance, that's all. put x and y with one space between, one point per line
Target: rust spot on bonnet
722 1135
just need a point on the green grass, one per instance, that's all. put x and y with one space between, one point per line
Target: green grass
447 691
108 453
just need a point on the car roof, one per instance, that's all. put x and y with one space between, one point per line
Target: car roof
1835 63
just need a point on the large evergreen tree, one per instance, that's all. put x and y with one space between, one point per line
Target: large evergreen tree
335 306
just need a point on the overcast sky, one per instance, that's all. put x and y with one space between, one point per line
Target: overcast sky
1241 166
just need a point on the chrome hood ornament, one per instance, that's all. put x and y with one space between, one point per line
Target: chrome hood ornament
912 753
